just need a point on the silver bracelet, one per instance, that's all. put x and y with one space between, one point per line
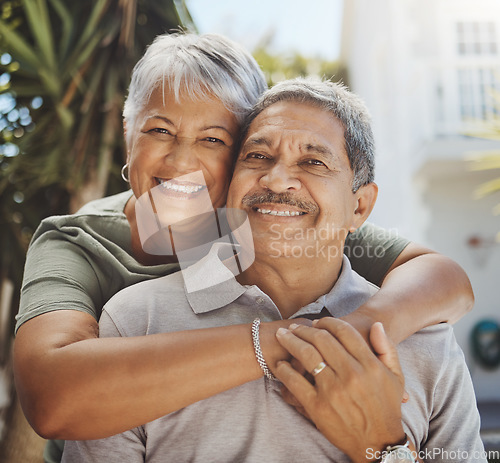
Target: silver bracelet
258 351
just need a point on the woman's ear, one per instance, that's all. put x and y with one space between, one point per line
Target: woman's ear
127 147
366 196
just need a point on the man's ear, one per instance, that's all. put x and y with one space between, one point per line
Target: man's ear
365 201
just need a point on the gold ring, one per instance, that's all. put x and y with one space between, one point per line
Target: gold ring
319 368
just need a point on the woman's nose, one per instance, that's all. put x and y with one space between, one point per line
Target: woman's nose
280 178
182 155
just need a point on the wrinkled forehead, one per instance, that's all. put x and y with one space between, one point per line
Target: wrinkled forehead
164 94
296 123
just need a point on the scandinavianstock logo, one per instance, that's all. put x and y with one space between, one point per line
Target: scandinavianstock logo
178 218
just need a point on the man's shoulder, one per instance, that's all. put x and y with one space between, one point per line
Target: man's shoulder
437 339
431 353
149 306
148 293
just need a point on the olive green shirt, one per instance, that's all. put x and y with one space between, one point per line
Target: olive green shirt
80 261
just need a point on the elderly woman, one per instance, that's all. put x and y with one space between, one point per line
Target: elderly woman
187 98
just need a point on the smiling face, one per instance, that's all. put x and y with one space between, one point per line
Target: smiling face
175 138
294 180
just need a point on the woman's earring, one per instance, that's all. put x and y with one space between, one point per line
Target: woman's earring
125 177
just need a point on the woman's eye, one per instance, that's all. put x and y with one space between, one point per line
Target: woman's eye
159 130
214 140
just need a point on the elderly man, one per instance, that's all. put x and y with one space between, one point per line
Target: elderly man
304 176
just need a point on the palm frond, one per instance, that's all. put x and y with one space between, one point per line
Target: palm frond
487 188
39 21
19 47
483 160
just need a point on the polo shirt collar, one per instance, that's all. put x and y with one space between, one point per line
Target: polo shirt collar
209 284
349 292
212 286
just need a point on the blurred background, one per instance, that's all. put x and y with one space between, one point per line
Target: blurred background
429 71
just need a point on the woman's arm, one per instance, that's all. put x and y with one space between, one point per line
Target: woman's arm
74 385
421 288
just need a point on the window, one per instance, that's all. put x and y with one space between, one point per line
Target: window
477 89
477 38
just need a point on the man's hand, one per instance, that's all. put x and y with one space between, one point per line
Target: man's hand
356 400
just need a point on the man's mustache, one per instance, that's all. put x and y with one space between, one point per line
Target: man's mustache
253 199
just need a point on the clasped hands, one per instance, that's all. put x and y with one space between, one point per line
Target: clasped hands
355 401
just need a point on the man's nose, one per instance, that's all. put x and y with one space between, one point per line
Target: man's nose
280 178
182 155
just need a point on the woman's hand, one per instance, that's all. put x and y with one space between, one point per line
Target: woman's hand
356 400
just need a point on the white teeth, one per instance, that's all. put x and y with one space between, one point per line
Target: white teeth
180 188
279 213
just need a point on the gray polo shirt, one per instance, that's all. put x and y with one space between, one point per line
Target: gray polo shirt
251 423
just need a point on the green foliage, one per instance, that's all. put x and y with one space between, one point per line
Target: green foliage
75 58
487 160
277 67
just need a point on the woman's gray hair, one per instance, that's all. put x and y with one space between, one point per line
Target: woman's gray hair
347 107
207 65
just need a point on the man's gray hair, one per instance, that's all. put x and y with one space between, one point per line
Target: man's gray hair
204 66
347 107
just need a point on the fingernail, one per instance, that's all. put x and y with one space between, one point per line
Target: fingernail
381 326
293 326
315 322
281 332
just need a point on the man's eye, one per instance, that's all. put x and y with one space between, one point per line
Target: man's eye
315 162
255 156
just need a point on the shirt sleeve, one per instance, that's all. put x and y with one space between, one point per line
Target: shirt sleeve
127 447
454 422
57 275
107 327
372 250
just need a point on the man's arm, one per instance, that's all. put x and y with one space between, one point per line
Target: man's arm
74 385
420 289
355 401
454 421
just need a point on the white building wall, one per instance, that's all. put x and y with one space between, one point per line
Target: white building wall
383 71
402 58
